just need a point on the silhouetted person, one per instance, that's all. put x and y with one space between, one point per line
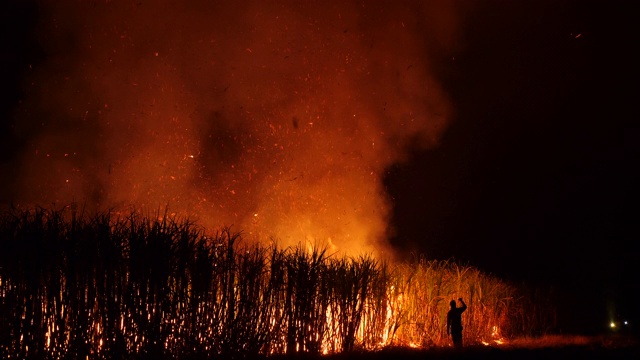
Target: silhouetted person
454 322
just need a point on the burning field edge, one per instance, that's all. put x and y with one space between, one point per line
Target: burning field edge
543 347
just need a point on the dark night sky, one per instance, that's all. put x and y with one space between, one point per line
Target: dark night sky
534 179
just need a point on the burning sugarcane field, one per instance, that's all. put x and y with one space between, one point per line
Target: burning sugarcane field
77 286
318 180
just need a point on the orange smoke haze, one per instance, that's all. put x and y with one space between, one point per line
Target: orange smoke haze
276 117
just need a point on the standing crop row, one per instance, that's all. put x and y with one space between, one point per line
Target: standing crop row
108 285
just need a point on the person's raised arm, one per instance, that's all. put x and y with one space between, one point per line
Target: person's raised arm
464 306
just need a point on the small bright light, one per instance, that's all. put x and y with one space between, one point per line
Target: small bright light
613 325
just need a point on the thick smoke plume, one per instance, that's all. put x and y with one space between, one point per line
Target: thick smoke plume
276 117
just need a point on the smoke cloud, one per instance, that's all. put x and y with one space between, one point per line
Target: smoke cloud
276 117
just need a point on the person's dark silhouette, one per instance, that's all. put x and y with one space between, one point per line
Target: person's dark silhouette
454 322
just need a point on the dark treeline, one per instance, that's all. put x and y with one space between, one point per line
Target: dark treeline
110 285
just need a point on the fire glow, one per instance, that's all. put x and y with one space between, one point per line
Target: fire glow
276 118
279 118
